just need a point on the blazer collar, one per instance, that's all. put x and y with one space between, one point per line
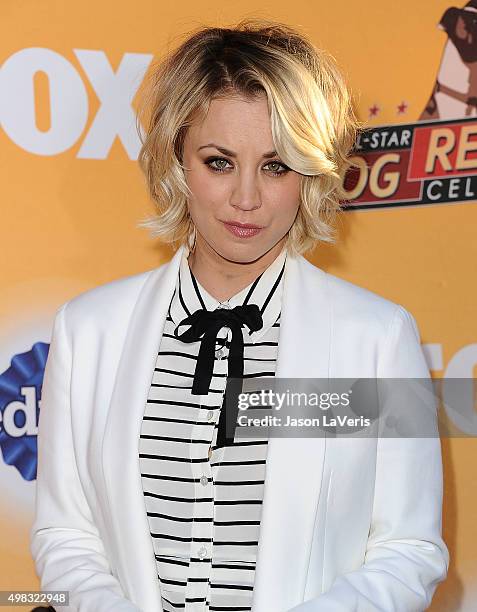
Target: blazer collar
291 496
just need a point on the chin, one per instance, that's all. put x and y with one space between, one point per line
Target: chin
244 254
239 253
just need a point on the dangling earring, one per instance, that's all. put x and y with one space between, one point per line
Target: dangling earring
194 238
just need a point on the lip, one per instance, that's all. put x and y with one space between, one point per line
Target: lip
242 230
247 225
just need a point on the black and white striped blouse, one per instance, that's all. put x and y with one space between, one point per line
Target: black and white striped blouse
204 503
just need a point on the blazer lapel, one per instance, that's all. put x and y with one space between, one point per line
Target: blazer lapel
294 465
293 479
136 564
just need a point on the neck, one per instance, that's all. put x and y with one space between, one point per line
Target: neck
223 278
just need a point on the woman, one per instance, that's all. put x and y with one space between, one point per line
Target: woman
144 500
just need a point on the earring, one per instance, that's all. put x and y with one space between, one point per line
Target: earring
194 233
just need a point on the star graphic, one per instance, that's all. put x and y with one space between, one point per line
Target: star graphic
374 110
402 108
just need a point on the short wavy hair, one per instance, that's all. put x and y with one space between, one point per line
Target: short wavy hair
313 124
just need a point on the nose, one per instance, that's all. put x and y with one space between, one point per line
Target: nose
246 194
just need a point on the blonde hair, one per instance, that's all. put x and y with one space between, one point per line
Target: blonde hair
312 121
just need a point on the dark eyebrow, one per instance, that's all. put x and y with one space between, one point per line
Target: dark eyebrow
231 153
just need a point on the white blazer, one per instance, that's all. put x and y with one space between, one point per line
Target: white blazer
347 525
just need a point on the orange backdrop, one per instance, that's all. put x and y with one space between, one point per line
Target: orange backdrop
72 195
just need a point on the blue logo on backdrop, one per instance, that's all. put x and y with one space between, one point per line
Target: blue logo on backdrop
20 393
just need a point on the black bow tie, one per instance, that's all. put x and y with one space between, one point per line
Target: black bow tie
208 323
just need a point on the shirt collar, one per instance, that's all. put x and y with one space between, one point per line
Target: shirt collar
265 291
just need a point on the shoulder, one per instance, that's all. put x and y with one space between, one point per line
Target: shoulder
345 295
107 302
352 304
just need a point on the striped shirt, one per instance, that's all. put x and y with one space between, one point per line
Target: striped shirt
204 503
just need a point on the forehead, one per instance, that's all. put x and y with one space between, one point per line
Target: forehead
233 119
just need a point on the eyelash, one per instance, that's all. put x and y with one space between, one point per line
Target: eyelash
210 160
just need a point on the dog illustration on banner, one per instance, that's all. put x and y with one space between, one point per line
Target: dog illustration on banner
455 90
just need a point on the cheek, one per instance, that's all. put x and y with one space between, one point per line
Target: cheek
286 199
205 188
198 184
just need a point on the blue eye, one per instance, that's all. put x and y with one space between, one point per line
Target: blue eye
211 160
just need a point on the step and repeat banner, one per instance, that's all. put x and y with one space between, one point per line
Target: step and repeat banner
72 196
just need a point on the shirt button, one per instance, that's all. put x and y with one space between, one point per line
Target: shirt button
204 480
220 353
202 552
210 415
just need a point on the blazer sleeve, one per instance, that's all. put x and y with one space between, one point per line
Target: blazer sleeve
406 556
64 541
